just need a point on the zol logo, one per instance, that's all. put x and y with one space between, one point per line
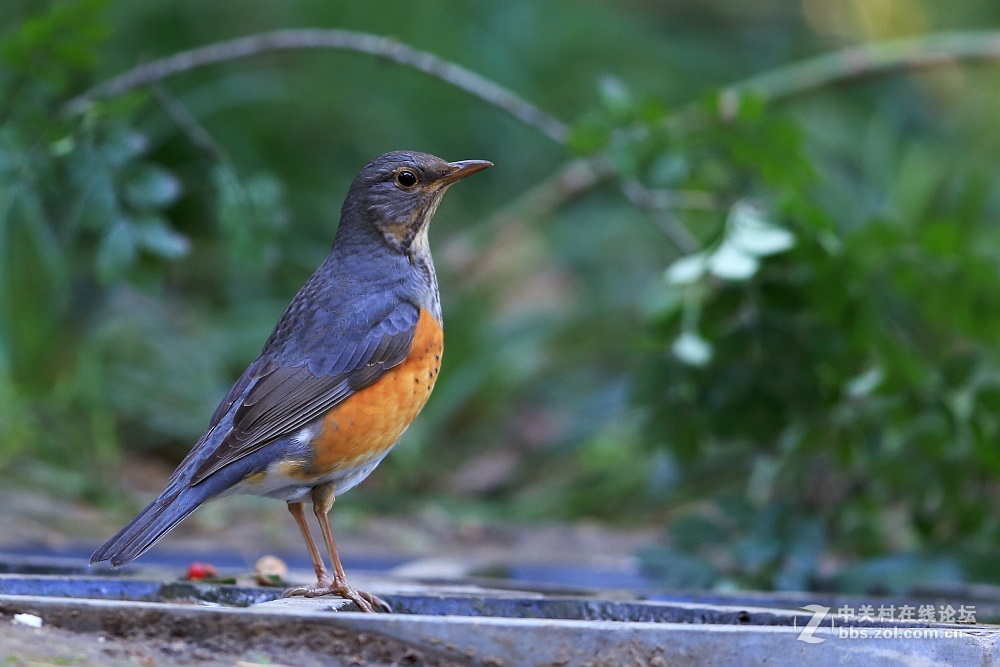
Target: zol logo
808 634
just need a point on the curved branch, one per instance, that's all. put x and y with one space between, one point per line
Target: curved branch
279 40
875 59
880 58
866 60
569 181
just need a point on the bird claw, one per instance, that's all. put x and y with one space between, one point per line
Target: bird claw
376 601
366 602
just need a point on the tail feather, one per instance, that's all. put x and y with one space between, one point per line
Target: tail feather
178 500
145 530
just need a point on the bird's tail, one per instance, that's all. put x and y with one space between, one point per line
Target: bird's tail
169 509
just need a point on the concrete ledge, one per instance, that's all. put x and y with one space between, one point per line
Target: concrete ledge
493 640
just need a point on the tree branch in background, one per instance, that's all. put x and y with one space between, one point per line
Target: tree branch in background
569 181
875 59
583 174
383 47
186 121
659 204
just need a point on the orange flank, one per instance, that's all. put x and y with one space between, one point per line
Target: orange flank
255 478
372 420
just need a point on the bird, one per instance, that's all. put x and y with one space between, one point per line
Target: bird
350 363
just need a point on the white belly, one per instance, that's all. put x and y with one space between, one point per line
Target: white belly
277 483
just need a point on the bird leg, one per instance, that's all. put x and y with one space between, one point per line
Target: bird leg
323 497
323 578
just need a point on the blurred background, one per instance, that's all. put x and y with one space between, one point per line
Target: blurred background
740 290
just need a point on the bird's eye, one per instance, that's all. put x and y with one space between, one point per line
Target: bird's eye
406 178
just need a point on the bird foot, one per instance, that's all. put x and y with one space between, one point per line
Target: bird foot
366 602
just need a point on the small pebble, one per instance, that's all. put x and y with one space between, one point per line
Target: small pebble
30 620
270 571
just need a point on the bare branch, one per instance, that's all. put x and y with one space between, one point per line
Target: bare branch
879 58
569 181
659 203
660 198
876 59
279 40
194 130
579 175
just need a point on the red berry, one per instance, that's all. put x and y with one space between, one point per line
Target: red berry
201 571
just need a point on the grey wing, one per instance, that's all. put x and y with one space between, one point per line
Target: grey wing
275 398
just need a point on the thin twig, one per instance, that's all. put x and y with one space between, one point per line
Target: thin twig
661 198
659 203
383 47
569 181
676 231
186 121
203 140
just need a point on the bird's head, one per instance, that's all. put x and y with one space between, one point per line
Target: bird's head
399 192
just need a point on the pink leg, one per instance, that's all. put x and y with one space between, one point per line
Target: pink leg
323 497
323 578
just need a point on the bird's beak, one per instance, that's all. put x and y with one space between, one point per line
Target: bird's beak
461 169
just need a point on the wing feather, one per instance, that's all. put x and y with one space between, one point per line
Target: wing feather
278 398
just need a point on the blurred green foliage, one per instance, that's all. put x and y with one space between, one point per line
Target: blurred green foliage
771 327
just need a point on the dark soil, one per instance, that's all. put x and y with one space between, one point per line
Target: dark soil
176 642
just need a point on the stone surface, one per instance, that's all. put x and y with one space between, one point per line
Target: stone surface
468 623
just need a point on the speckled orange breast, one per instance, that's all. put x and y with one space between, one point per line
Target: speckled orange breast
371 421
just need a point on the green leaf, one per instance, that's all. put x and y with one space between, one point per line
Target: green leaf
33 281
152 188
917 182
62 38
250 213
615 96
116 253
155 236
625 155
588 136
96 203
121 145
864 384
668 170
